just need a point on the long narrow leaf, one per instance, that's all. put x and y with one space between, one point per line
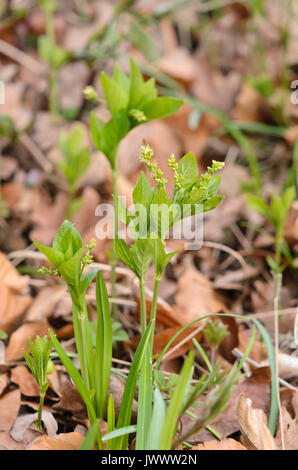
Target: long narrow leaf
174 409
124 417
103 351
157 421
120 432
111 421
144 401
270 352
90 438
77 379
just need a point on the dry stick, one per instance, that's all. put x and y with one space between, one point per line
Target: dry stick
237 353
182 342
23 59
37 154
277 282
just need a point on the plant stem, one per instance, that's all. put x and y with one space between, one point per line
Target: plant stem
143 309
114 256
153 310
53 98
84 364
41 401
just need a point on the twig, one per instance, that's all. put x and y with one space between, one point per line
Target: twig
37 154
237 353
23 59
182 342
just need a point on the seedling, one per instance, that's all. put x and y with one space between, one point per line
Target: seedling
276 213
215 331
131 102
54 55
40 365
76 161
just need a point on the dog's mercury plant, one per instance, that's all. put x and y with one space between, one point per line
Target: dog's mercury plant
54 55
40 365
77 159
131 102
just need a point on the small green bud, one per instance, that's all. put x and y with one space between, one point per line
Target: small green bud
137 115
90 93
215 332
50 367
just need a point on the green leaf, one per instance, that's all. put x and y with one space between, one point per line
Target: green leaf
87 279
143 193
75 376
116 96
71 269
122 252
76 157
90 438
141 256
103 350
120 77
176 402
211 203
112 134
157 421
158 108
188 167
136 92
163 213
288 197
67 240
257 204
54 256
144 401
120 432
124 417
111 421
161 258
96 127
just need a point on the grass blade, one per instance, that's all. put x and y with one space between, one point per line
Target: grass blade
144 401
157 421
120 432
78 381
111 421
90 438
103 350
124 417
173 412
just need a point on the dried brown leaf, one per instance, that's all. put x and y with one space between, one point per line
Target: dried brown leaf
253 425
68 441
223 444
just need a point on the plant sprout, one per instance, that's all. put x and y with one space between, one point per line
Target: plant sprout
40 365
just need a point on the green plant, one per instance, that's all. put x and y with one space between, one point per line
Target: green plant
276 213
192 195
76 161
40 365
215 331
131 102
54 55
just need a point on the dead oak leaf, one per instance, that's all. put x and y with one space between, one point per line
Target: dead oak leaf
253 425
21 376
12 305
290 426
196 297
9 409
68 441
19 339
223 444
